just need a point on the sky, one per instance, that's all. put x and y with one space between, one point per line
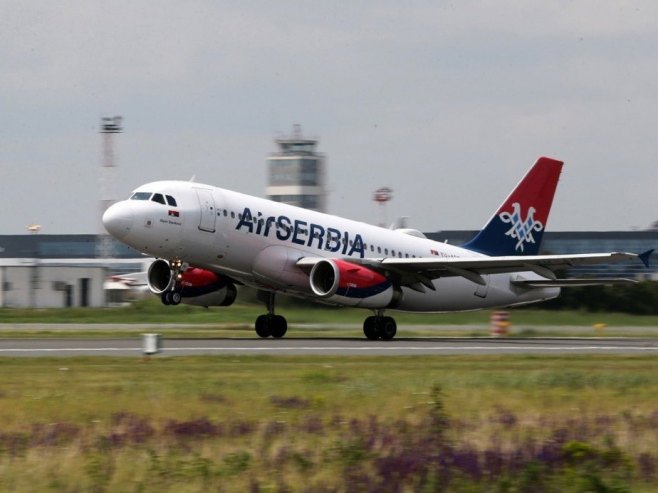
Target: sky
447 103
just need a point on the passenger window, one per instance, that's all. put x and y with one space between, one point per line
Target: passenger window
141 196
157 197
379 249
225 213
171 201
232 215
385 251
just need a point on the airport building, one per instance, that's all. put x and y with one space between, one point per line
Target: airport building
68 270
34 284
54 271
297 172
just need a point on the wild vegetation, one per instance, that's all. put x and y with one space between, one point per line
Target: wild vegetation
403 424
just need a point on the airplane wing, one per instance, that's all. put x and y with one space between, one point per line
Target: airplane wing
417 273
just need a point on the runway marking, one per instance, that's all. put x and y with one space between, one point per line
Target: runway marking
493 348
56 350
410 348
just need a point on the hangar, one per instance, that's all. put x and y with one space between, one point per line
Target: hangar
55 271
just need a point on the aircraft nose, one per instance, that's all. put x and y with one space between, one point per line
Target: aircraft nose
118 219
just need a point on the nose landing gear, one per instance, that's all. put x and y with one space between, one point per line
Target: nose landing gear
171 297
172 294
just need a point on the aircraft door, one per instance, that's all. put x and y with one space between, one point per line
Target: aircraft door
207 206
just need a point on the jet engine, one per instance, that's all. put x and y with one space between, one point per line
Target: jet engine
193 286
345 283
160 277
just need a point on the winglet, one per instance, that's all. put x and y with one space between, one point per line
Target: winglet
644 257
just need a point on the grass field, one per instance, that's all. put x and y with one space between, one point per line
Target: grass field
237 321
152 311
397 424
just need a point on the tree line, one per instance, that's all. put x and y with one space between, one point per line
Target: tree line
636 299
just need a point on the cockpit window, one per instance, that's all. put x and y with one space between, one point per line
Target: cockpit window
157 197
171 201
141 196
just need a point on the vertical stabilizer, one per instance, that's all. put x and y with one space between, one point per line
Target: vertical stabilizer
517 227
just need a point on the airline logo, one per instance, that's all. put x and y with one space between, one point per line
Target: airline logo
522 229
302 233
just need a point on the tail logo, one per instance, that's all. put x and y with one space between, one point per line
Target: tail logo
521 229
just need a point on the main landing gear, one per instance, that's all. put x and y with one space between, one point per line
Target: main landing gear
374 327
270 324
380 327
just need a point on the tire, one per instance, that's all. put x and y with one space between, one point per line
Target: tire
263 326
387 328
370 328
279 326
176 298
166 298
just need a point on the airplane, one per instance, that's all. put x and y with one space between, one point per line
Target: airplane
208 240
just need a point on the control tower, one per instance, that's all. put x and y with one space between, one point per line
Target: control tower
296 172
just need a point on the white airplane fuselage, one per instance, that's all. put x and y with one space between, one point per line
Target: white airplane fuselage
259 242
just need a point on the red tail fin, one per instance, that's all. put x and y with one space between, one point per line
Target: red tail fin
518 225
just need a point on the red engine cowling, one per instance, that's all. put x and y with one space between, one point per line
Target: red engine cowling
345 283
196 286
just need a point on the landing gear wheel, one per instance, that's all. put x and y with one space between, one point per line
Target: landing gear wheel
370 328
263 326
279 326
270 324
175 298
387 328
166 298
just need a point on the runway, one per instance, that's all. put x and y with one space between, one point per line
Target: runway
329 346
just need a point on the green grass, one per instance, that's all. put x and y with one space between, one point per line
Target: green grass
237 321
234 423
152 311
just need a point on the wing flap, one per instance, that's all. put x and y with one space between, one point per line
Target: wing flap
571 283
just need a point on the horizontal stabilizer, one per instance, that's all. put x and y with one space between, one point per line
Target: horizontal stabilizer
570 283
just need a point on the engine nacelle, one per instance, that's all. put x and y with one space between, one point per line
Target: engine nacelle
160 277
195 286
345 283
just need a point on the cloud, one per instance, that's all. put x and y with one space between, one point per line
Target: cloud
439 100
